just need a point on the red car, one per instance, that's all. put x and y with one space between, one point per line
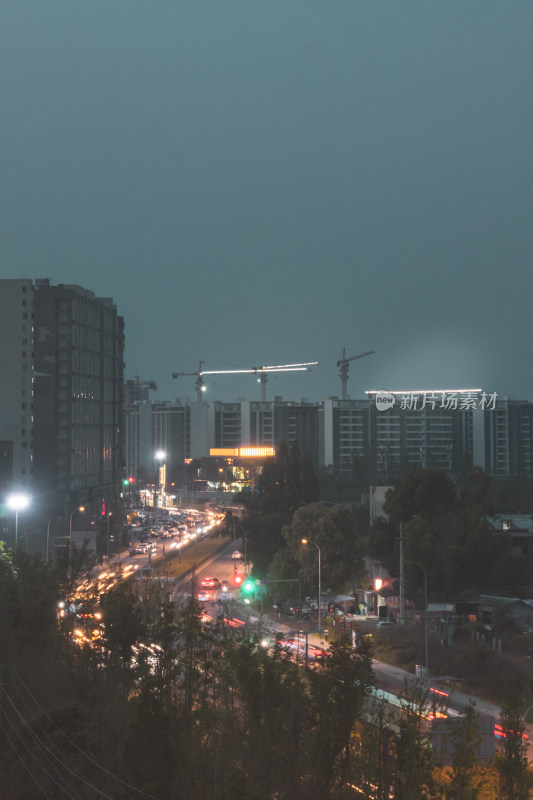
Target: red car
209 583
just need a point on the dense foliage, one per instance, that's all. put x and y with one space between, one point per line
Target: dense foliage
152 702
449 533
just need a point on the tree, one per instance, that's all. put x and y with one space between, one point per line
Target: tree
465 741
426 492
333 529
287 481
338 690
451 537
511 760
414 763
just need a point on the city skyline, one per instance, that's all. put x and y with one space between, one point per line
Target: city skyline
269 184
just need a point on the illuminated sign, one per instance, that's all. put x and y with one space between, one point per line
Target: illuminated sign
243 452
246 452
435 399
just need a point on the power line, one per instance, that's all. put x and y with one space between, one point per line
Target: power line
23 744
79 749
53 766
18 755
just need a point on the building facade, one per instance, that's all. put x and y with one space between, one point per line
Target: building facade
187 430
61 419
355 436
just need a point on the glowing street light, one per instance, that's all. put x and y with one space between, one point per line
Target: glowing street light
306 542
18 502
109 515
159 456
81 509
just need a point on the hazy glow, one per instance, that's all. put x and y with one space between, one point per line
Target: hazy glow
279 368
422 391
18 502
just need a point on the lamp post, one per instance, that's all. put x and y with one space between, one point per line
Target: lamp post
307 541
81 509
245 542
48 537
109 515
17 502
417 564
159 456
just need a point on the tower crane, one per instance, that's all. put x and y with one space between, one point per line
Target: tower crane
149 384
199 383
133 389
343 363
262 371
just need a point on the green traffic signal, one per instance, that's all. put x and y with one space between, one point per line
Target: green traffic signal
248 586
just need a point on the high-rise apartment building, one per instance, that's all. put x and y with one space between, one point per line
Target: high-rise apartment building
61 364
348 436
17 373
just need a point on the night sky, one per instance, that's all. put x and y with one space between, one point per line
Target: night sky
269 182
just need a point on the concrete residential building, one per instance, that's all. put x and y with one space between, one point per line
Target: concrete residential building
17 373
343 435
192 429
61 416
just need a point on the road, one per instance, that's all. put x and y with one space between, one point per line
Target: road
222 566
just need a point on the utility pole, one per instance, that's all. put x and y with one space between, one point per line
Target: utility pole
402 579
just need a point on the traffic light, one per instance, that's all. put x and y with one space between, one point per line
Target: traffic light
248 586
125 482
237 579
131 480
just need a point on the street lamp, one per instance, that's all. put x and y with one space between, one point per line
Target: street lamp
235 525
18 502
81 509
307 541
48 537
109 515
160 456
417 564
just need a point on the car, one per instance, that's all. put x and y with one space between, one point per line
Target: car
385 623
204 596
209 583
237 555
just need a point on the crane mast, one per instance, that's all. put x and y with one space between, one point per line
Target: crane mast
343 363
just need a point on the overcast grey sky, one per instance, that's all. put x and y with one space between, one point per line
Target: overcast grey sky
269 182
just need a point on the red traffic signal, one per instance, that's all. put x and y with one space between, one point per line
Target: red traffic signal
238 579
